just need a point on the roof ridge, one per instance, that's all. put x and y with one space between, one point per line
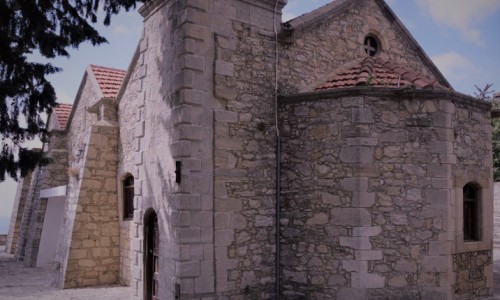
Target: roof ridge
336 7
62 112
310 17
108 68
378 72
109 80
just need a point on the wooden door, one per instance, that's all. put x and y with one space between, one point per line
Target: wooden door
151 263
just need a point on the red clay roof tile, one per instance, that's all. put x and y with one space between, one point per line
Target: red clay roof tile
62 113
375 72
109 80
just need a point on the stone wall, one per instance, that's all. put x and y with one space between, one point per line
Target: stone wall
27 213
77 134
88 248
496 231
316 51
245 160
78 131
369 192
472 261
472 270
35 231
52 175
146 138
125 254
17 213
3 239
81 120
186 45
130 112
88 253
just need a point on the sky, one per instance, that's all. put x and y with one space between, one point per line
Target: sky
460 36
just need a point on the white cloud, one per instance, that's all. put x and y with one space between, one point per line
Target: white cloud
455 66
63 97
462 15
121 30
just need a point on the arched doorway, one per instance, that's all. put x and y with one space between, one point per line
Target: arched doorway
151 247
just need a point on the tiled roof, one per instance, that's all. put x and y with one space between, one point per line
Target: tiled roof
374 72
62 113
109 80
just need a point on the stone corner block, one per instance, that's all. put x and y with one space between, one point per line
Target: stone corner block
367 280
224 68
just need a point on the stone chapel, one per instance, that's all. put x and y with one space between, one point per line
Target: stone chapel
240 157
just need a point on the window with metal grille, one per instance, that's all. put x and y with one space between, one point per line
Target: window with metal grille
371 45
128 197
471 213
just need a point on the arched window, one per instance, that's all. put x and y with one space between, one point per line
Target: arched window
471 213
371 45
128 197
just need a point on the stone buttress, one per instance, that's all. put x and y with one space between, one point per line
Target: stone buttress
17 213
88 255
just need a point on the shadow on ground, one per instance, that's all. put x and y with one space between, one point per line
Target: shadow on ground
18 282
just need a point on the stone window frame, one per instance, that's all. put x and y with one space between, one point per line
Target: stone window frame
127 197
373 33
375 48
474 209
485 215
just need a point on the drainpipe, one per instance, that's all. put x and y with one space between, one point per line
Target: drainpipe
278 160
278 215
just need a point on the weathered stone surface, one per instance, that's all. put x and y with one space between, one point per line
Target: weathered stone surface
350 217
366 180
356 154
405 192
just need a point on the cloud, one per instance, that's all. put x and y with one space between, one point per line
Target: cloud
455 66
63 97
121 30
462 15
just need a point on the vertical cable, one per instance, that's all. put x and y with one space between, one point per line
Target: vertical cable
276 66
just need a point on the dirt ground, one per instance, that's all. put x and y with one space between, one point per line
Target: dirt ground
18 282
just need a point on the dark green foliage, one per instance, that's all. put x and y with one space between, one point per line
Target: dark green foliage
495 128
50 27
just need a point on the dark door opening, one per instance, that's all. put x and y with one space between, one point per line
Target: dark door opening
151 241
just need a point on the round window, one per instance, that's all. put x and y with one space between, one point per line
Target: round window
371 45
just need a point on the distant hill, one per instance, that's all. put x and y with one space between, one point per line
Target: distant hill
4 224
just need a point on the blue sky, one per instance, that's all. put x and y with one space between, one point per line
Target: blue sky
460 36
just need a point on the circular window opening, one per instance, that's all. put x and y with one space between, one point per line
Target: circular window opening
371 45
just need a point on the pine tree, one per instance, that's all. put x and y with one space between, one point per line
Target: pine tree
50 27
